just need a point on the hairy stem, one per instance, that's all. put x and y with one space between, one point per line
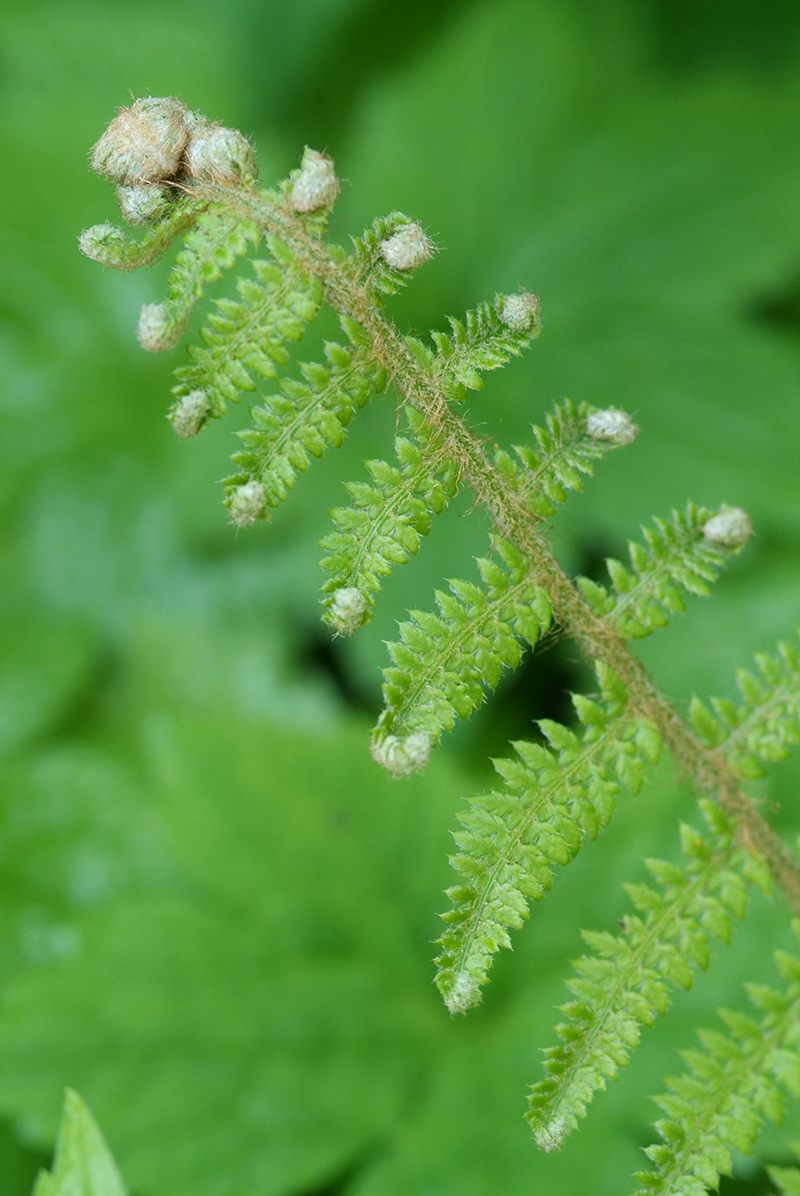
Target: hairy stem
349 295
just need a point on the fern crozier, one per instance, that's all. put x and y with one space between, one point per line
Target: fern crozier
315 185
348 610
143 203
611 426
155 331
731 527
144 143
408 248
215 154
520 313
402 755
190 413
248 503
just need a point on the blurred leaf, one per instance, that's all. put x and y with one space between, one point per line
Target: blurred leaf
83 1165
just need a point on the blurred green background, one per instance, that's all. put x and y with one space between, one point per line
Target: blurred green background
216 914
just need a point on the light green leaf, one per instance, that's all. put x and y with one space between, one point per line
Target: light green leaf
83 1164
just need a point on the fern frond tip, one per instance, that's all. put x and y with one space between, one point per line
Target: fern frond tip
521 313
315 185
460 993
408 248
191 413
156 331
551 1137
402 755
348 611
611 426
248 503
731 527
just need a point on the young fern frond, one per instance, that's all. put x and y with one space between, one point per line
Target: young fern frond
573 437
765 724
108 245
683 552
247 336
387 253
389 517
444 663
728 1090
486 340
626 982
512 839
210 248
299 423
183 175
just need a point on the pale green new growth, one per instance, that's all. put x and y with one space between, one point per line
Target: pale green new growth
679 554
444 663
108 245
83 1165
250 337
565 449
185 175
299 423
765 724
512 839
387 521
626 982
211 247
728 1090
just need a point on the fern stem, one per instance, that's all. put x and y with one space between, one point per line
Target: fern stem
350 296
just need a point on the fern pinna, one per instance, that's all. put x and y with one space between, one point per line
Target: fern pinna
179 175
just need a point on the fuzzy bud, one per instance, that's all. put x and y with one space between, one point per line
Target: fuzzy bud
144 203
611 426
315 186
219 155
248 503
408 248
156 331
463 995
552 1136
729 528
190 413
402 756
520 312
143 143
104 243
347 610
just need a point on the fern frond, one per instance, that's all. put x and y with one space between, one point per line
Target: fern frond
109 245
573 437
387 253
211 247
491 335
679 554
444 663
299 423
626 982
767 721
720 1103
389 517
249 336
553 799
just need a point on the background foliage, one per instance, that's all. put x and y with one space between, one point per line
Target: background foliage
216 912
